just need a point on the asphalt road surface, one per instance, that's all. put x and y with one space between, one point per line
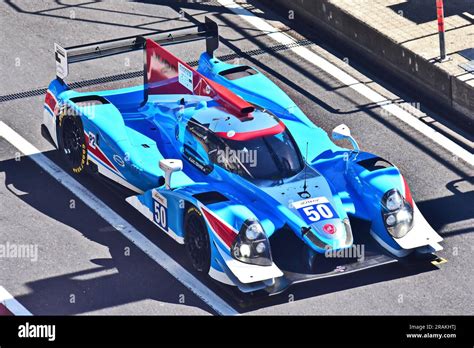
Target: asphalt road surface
84 266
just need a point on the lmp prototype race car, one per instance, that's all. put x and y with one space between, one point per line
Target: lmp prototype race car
224 162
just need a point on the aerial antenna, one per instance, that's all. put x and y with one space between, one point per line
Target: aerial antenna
306 158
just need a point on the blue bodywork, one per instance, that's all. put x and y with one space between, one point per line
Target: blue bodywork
134 136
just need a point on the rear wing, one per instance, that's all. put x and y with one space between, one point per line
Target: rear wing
163 73
65 56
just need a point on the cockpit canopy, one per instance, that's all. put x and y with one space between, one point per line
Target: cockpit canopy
258 149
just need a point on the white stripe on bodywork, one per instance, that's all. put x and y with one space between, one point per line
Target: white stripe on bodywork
421 233
220 276
396 252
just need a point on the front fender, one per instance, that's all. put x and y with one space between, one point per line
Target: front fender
224 217
371 177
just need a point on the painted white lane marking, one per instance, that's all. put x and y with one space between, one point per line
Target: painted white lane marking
15 307
349 81
130 232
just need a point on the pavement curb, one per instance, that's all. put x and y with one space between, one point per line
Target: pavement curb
434 83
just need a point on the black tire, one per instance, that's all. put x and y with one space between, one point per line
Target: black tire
72 143
196 240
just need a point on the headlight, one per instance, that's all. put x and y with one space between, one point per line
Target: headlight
253 231
252 245
397 214
394 200
391 220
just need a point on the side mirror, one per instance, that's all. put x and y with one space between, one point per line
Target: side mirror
343 132
170 166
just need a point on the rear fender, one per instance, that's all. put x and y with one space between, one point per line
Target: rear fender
51 107
116 149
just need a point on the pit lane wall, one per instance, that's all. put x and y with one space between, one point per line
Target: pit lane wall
421 75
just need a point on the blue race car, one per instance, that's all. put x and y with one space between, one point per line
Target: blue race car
224 162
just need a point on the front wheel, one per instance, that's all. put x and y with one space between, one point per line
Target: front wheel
72 143
196 240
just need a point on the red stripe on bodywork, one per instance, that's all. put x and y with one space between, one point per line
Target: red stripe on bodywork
229 99
50 101
162 70
99 154
408 196
223 231
277 129
4 311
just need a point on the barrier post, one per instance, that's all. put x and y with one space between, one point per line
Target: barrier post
440 15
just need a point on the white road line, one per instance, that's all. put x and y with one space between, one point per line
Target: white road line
153 251
349 81
12 304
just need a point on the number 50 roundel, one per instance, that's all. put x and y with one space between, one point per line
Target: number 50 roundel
315 209
160 216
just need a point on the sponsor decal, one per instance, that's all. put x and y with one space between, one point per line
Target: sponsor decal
160 198
61 61
310 201
95 150
92 140
119 160
161 67
329 228
202 167
185 76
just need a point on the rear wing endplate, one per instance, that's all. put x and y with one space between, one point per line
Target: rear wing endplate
65 56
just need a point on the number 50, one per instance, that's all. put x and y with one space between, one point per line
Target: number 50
160 215
315 212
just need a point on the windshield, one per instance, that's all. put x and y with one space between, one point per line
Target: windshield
270 157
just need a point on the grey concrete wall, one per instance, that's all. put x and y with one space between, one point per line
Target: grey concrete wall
373 45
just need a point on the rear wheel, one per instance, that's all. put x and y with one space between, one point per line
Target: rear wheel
196 240
72 143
